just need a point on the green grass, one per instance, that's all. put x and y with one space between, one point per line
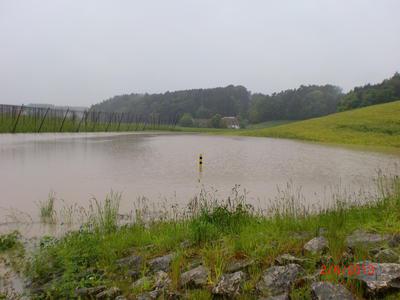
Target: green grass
47 209
268 124
29 124
9 241
377 125
218 232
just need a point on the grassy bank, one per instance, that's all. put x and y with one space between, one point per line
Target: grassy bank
29 124
377 125
213 234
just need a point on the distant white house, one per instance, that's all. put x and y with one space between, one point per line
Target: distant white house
231 122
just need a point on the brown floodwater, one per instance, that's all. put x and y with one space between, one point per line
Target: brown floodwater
164 168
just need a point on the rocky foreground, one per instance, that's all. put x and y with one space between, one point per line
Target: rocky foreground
375 278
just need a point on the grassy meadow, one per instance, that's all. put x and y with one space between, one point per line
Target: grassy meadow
377 125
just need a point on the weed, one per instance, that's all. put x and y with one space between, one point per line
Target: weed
47 210
9 241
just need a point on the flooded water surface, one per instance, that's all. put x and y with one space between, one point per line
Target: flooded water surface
164 167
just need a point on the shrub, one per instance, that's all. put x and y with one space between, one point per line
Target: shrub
186 120
8 241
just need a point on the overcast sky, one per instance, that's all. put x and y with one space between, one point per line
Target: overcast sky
79 52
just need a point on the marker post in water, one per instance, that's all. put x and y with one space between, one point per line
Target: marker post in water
200 166
200 162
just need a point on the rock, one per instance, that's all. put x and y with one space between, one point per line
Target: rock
162 284
316 245
121 298
186 244
140 282
134 274
363 238
325 290
394 240
238 265
196 277
378 277
162 263
162 280
301 235
111 293
194 263
322 231
306 280
284 296
375 251
134 262
148 295
85 292
278 279
229 284
387 256
286 259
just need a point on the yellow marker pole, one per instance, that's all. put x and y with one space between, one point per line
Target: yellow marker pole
200 166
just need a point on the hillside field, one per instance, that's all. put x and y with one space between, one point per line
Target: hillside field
377 125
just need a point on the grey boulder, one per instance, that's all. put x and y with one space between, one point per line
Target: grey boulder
229 284
286 259
196 277
133 262
279 279
386 256
85 292
109 294
377 277
363 238
325 290
162 263
140 282
238 265
316 245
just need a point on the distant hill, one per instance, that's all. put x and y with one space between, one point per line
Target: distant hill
295 104
200 103
301 103
377 125
370 94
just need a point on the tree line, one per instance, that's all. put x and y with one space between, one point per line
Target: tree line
193 106
370 94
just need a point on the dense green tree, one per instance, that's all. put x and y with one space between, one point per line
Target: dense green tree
186 120
201 103
294 104
386 91
216 121
302 103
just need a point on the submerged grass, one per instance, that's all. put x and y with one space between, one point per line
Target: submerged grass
47 209
215 233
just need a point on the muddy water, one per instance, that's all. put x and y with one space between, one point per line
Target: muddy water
164 167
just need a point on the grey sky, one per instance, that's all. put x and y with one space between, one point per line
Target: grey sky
81 52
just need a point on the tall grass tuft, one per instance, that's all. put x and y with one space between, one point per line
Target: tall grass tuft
103 216
211 217
47 209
